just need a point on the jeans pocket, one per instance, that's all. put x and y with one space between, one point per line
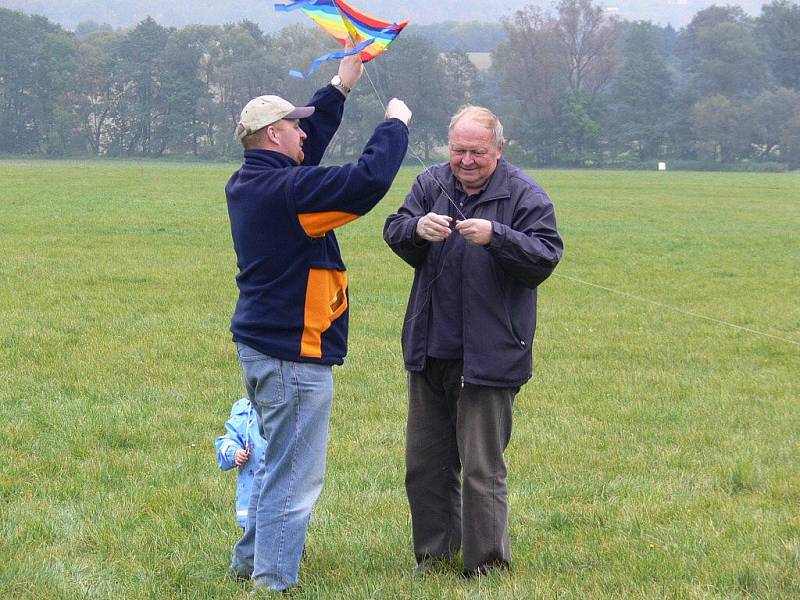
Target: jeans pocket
263 377
269 387
248 354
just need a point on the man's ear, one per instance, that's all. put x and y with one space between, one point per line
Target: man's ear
271 134
500 149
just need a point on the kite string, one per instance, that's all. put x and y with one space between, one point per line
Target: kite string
427 291
675 309
566 277
427 169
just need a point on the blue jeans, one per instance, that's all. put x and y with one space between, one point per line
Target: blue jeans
293 406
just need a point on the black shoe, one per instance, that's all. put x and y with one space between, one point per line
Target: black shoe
484 569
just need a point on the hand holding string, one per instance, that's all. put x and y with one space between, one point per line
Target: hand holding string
475 231
433 227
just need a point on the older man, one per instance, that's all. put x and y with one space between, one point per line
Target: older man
481 236
290 324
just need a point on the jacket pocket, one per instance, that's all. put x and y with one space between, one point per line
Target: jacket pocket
500 279
326 301
514 331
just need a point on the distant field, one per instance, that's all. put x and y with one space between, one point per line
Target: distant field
655 454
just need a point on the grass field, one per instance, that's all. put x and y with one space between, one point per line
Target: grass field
655 454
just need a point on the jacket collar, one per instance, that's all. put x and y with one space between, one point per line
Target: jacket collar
268 158
498 186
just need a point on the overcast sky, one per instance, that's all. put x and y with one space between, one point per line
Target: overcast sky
125 13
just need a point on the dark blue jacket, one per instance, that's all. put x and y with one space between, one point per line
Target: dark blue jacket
293 297
498 281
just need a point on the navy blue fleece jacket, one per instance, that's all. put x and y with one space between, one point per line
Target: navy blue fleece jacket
293 295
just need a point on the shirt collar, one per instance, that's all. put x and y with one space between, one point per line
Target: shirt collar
496 185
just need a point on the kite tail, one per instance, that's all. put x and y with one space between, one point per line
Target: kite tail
331 56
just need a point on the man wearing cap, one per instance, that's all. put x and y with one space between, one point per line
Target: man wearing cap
290 322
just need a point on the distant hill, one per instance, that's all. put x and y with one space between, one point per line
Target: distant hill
125 13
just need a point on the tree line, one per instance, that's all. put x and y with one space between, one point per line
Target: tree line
582 88
574 87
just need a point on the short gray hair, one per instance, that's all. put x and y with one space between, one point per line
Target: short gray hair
482 116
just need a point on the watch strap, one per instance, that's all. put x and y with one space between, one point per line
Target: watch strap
339 85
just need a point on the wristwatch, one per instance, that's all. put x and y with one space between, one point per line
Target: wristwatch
339 85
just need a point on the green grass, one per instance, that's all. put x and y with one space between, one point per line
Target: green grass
654 454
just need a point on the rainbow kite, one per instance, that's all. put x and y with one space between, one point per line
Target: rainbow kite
370 36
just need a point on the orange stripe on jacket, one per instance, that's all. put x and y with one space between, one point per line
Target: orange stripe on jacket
318 224
326 300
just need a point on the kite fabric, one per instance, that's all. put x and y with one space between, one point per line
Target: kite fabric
371 36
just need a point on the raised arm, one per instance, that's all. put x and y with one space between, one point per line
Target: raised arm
326 198
329 104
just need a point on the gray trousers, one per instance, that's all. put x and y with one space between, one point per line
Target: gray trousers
451 428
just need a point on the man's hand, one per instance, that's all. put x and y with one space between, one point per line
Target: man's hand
350 67
241 457
397 109
433 227
475 231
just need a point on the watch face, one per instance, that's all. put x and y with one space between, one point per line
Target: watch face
336 80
